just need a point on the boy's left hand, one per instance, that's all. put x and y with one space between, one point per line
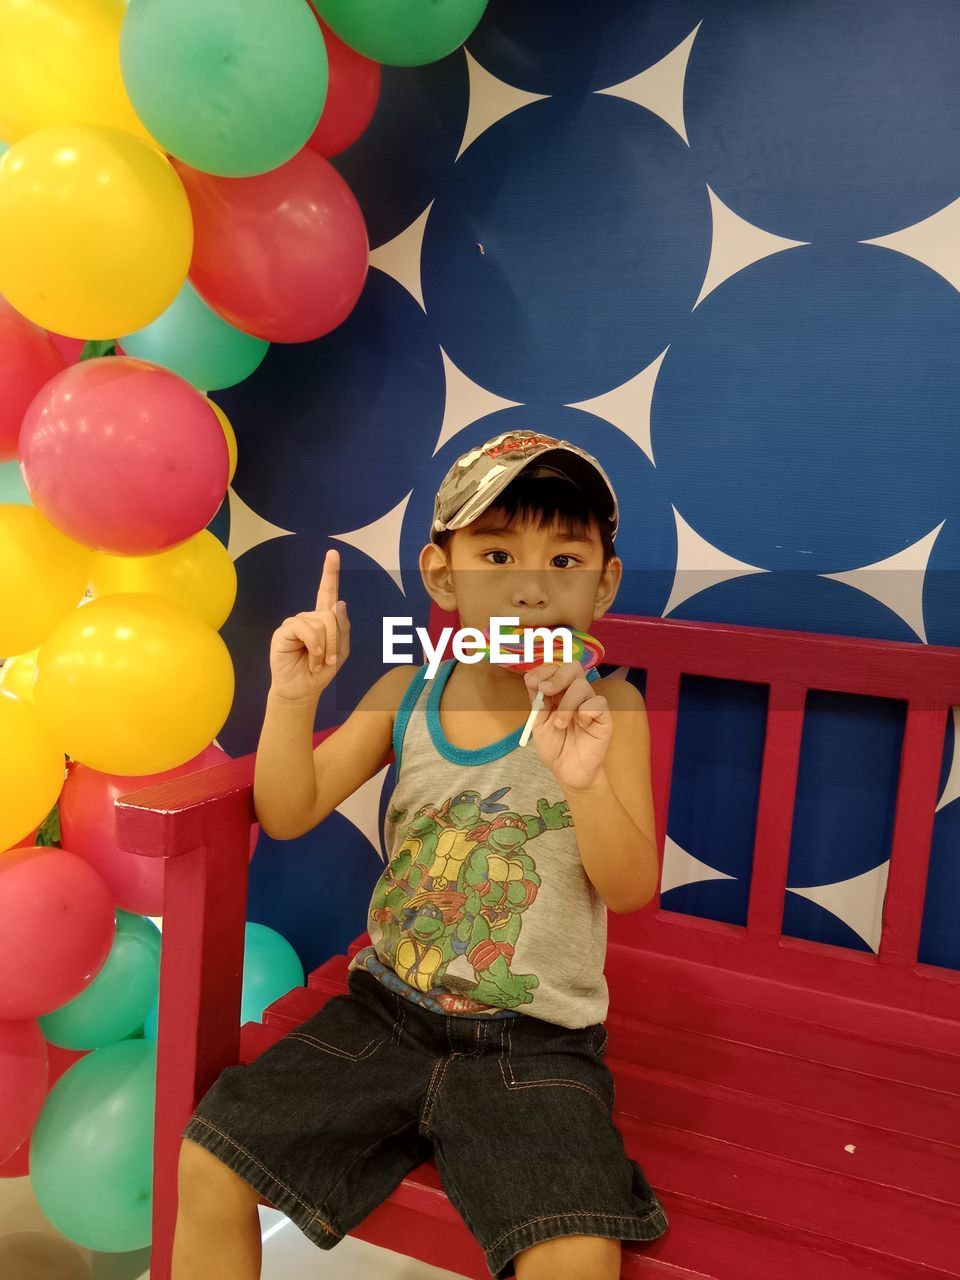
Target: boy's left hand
573 731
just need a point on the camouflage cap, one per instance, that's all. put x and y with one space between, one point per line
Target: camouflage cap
479 475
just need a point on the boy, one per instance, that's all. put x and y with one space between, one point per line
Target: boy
473 1027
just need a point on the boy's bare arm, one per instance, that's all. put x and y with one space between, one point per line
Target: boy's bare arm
297 786
614 816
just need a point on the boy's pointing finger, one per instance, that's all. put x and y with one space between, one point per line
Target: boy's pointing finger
329 590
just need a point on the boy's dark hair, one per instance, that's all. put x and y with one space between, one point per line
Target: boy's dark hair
544 501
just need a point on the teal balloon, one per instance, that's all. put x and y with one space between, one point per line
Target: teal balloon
91 1152
231 87
12 488
402 33
192 340
3 148
270 968
113 1006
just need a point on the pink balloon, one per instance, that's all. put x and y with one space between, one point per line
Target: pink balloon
352 94
70 348
28 359
58 928
282 255
87 828
58 1061
124 456
23 1081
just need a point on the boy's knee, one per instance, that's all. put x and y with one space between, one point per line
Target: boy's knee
573 1257
204 1182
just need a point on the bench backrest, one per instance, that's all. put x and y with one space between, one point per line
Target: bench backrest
925 677
200 826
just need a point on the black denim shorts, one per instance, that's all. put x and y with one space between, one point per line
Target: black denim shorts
516 1112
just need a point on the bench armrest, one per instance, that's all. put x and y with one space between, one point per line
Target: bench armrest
200 825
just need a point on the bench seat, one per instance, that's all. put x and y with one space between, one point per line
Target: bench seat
779 1147
795 1104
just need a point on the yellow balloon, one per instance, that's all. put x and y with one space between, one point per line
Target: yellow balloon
17 675
31 769
133 684
43 575
96 232
60 64
198 574
229 433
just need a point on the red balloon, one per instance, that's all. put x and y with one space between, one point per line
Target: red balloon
282 255
23 1081
352 93
70 348
58 928
18 1164
28 359
124 456
87 828
58 1061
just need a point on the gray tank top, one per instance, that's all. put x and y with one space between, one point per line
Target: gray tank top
484 909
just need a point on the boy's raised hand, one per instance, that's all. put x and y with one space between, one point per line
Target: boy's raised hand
572 733
307 650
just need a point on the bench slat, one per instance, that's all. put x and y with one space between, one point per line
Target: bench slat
792 1218
778 783
917 788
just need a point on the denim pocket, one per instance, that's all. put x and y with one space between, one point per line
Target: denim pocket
557 1057
347 1028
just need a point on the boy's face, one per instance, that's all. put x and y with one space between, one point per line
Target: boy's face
549 576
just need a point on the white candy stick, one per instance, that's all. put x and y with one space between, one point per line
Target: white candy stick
535 709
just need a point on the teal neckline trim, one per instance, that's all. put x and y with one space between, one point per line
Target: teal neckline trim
404 712
461 755
464 755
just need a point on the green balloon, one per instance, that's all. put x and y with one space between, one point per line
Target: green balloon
192 340
270 968
116 1002
12 488
152 1021
91 1152
231 87
401 33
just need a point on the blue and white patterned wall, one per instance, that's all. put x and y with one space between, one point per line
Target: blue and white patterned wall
718 244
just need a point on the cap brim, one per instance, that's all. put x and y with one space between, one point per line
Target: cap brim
578 469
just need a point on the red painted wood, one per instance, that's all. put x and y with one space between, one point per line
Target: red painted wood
745 1061
913 831
778 785
200 825
715 1013
662 699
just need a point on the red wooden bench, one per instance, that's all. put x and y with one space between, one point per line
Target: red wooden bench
795 1104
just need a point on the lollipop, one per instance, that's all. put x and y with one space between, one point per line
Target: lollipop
586 649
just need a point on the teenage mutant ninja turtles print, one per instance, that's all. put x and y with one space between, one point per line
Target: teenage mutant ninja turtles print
458 885
483 908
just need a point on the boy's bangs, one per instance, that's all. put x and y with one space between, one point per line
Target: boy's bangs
545 503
